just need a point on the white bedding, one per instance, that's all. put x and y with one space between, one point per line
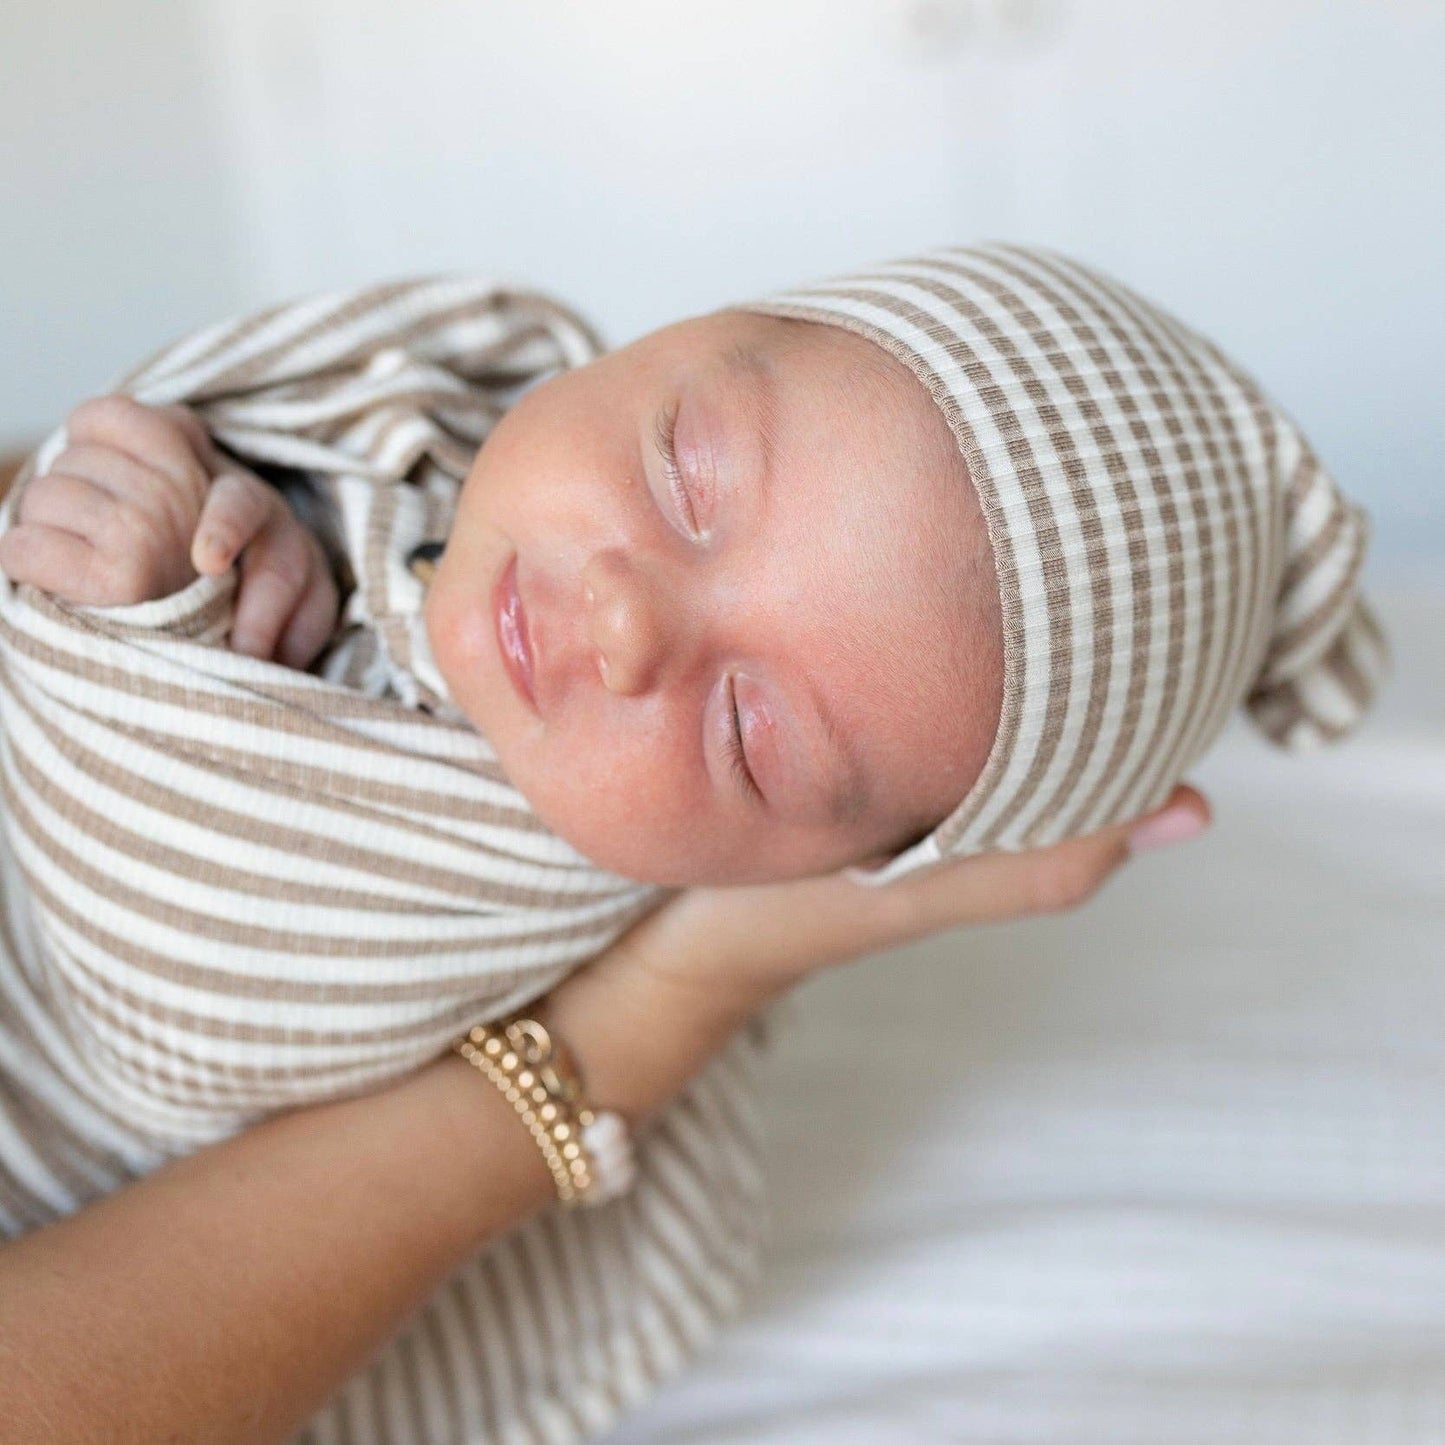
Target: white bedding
1171 1169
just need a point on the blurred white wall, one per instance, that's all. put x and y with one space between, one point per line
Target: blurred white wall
117 221
1273 170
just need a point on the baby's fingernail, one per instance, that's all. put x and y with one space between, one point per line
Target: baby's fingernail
1175 825
209 552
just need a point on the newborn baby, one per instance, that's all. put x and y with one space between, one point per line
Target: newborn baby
749 622
974 551
640 599
727 605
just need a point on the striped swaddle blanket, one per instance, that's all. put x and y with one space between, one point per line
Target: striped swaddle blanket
231 888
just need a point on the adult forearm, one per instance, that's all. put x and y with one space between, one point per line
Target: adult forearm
227 1296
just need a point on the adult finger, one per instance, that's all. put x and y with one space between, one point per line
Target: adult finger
844 918
777 934
994 886
1185 814
237 508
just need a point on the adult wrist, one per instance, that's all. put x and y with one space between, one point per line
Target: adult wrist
640 1036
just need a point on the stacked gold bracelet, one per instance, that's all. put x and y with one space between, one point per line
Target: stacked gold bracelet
589 1153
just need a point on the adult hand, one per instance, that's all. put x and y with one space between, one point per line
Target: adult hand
762 939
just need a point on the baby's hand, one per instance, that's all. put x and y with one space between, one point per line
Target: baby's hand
140 501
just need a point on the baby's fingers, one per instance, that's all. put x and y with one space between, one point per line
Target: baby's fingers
237 508
311 624
66 502
275 575
54 560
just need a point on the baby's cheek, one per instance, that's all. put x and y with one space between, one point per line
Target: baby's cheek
632 806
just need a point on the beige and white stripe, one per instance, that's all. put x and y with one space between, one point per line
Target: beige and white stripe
229 888
1167 544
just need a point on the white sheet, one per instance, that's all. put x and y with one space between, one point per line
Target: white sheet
1171 1169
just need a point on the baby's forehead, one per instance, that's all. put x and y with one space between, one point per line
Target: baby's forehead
856 371
925 547
841 385
830 398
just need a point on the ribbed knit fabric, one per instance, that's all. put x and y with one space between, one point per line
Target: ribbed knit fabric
230 888
1167 544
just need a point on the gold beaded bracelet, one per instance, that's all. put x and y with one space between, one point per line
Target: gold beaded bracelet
520 1057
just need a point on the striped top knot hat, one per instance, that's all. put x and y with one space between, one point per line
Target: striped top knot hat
1167 544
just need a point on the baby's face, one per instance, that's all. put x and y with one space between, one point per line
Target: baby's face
759 613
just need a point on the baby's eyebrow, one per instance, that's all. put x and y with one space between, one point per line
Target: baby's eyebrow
746 359
745 356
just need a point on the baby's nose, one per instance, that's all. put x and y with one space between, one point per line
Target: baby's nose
626 623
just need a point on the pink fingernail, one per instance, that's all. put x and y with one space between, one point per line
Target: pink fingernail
1176 825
